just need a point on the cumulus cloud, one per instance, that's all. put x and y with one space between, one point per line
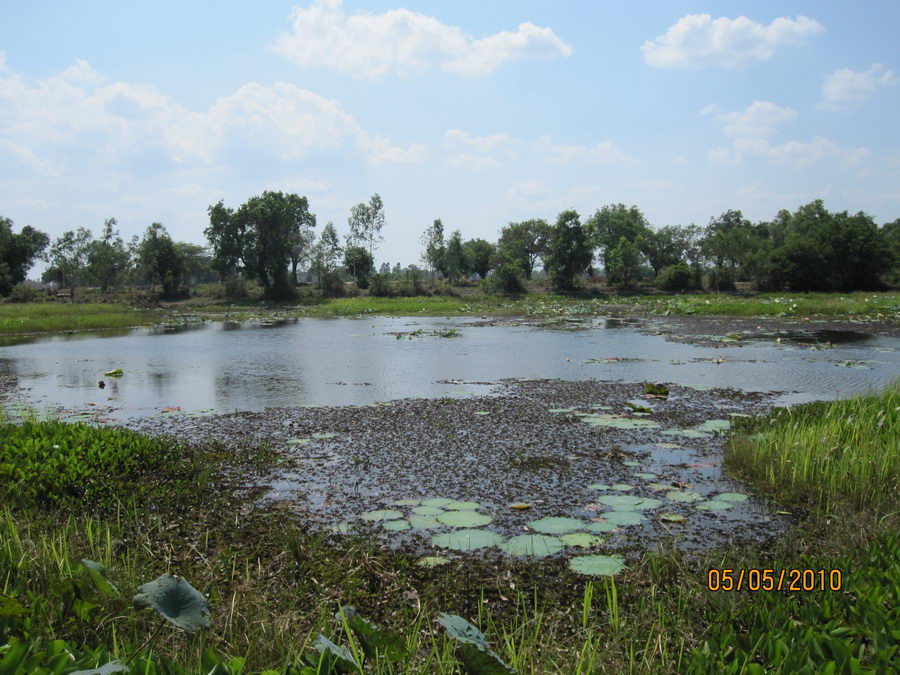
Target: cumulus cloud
3 66
604 152
845 86
759 119
529 189
479 143
478 152
698 41
401 41
793 153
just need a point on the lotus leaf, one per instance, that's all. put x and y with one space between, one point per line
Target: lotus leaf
176 601
466 540
299 441
672 517
432 561
427 510
731 497
617 422
464 519
624 518
631 463
714 425
560 410
668 446
598 486
406 502
331 658
436 501
382 514
602 527
537 545
376 642
108 668
556 525
687 433
714 505
99 577
474 651
659 486
684 496
645 476
462 506
324 436
395 525
482 412
621 487
423 523
581 539
597 565
629 502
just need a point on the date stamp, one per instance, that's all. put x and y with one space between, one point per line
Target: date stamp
791 580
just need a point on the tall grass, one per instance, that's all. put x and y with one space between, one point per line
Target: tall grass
826 453
47 317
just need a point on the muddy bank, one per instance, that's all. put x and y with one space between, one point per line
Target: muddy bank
563 448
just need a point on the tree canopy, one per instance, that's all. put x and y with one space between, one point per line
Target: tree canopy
18 253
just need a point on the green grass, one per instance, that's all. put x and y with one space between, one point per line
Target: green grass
826 453
46 317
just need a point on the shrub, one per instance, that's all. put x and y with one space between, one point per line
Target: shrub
23 293
676 278
507 279
721 279
380 286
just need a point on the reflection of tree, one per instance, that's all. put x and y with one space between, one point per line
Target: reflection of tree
9 378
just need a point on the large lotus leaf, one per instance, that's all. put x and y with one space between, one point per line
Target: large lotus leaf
594 565
714 505
536 545
382 514
621 487
427 510
375 641
598 486
462 506
343 527
645 476
629 502
581 539
99 577
474 651
331 658
436 501
672 517
464 519
432 561
423 523
731 497
604 526
623 518
684 496
176 600
466 540
617 422
395 525
714 425
556 525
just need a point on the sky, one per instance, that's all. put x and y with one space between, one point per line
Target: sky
476 113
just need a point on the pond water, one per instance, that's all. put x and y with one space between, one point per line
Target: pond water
250 367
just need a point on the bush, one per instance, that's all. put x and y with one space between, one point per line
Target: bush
380 286
506 279
676 278
721 279
23 293
412 283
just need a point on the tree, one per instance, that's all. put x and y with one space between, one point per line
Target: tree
569 251
663 247
18 253
226 238
360 263
480 254
197 263
366 222
107 257
301 234
456 262
624 263
68 257
611 223
523 243
435 249
326 254
160 261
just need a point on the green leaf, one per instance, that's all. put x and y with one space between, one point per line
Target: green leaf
556 525
176 601
375 641
105 669
331 657
475 653
597 565
99 577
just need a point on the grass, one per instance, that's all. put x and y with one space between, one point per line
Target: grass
274 585
46 317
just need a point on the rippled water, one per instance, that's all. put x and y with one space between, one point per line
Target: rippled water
226 367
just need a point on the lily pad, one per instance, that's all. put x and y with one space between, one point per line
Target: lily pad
629 502
464 519
436 501
324 436
668 446
621 487
395 525
645 476
432 561
672 517
731 497
424 523
406 502
482 412
462 506
631 463
714 425
617 422
687 433
624 518
597 565
603 527
520 506
381 514
714 505
299 441
556 525
598 486
684 496
427 510
466 540
536 545
176 601
581 539
561 410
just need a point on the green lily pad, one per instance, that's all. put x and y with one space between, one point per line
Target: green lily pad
381 514
687 433
659 486
464 519
684 496
597 565
556 525
482 412
714 425
731 497
395 525
561 410
603 527
462 506
668 446
631 463
406 502
621 487
424 523
581 539
176 600
466 540
299 441
672 517
598 486
617 422
623 518
714 505
645 476
536 545
432 561
427 511
436 501
597 406
324 436
629 502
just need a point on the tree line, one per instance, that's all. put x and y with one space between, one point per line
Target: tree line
271 239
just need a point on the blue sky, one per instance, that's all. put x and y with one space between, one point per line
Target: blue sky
477 113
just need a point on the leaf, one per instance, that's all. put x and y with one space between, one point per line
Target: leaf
556 525
466 540
375 641
176 601
105 669
464 519
597 565
432 561
382 514
536 545
331 657
12 608
475 653
115 372
99 577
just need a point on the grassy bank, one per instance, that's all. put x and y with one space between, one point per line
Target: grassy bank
273 585
47 317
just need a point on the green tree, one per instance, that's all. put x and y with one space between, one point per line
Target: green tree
360 264
456 262
569 252
68 257
480 254
890 234
611 223
18 253
197 263
301 235
107 257
366 222
435 248
663 247
624 263
226 238
325 257
160 261
524 243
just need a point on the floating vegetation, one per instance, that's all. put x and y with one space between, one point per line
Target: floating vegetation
299 441
381 514
581 539
731 497
424 523
324 436
684 496
714 425
612 359
629 502
631 463
464 519
638 408
466 540
645 476
656 390
714 505
482 412
343 527
621 487
602 526
520 506
432 561
623 518
536 545
406 502
617 422
597 565
115 372
672 517
687 433
668 446
427 510
461 506
556 525
396 525
436 501
561 410
598 486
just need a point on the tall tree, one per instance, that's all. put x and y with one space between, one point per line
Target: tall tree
480 254
366 222
325 257
301 234
624 263
611 223
161 262
360 264
18 253
524 243
569 252
663 247
107 257
456 262
226 238
68 257
435 248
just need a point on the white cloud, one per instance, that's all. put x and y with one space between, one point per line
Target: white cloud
382 152
3 66
845 86
759 119
793 153
529 189
468 160
479 143
401 41
698 41
604 152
